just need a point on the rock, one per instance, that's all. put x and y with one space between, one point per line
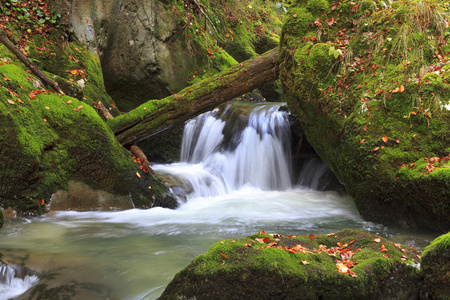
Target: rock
152 49
48 140
260 267
370 90
436 268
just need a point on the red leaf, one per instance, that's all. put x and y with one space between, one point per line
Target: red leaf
312 236
223 255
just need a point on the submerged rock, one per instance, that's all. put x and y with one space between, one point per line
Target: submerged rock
350 264
369 83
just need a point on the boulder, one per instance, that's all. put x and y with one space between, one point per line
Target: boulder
48 139
152 49
369 82
350 264
436 268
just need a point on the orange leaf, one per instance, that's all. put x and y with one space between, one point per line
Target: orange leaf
248 245
32 96
362 141
223 255
401 88
365 128
69 101
11 102
304 262
377 240
385 139
45 120
376 149
383 248
138 175
312 236
395 90
47 107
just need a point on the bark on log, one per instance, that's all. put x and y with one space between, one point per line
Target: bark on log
36 71
157 115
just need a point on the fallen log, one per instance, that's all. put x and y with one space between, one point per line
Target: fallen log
155 116
36 71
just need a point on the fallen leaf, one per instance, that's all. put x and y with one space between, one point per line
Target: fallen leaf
138 175
362 141
401 88
377 240
304 262
312 236
376 149
223 255
45 120
383 248
385 139
47 107
11 102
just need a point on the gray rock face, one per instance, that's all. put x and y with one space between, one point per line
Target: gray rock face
139 44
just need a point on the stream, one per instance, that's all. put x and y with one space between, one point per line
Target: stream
235 179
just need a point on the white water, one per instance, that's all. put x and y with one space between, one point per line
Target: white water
239 186
11 285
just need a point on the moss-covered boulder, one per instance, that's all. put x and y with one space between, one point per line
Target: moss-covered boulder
47 140
436 267
369 82
350 264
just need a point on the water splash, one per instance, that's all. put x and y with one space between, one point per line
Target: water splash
15 280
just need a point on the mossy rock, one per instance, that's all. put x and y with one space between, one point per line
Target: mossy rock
374 102
250 269
48 139
436 267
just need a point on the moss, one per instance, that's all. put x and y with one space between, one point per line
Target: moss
383 83
436 267
246 268
317 6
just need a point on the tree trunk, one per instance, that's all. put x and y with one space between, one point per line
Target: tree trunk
36 71
157 115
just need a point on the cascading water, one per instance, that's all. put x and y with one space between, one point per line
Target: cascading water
219 156
13 283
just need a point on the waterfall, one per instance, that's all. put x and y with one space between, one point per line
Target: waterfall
235 146
15 280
